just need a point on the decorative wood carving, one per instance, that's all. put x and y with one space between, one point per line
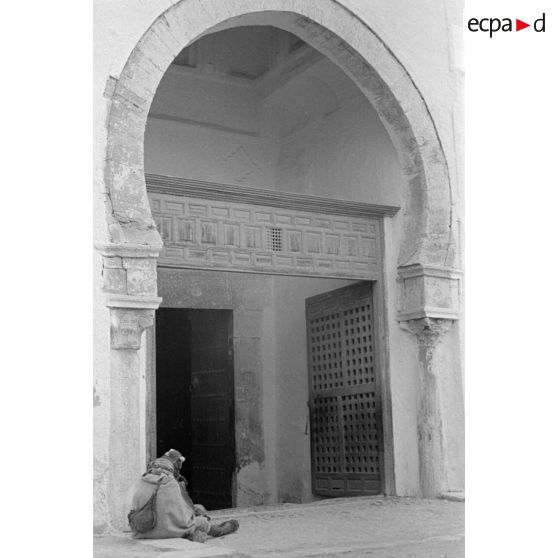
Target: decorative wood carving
213 234
184 187
220 226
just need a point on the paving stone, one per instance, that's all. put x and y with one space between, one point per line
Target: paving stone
388 527
368 526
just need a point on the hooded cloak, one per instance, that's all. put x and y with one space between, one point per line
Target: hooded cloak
174 509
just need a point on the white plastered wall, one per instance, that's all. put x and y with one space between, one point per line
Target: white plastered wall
423 36
315 134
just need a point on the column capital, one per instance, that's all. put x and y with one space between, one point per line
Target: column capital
428 331
129 317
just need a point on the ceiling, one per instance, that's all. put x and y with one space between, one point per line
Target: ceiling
244 52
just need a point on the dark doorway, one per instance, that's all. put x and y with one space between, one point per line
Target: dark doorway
345 401
195 398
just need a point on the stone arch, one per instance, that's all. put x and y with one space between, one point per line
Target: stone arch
428 302
335 32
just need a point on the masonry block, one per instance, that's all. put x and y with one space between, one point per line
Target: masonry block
141 276
113 262
428 292
127 182
176 27
127 152
157 50
134 95
141 75
127 121
161 28
184 24
137 233
114 280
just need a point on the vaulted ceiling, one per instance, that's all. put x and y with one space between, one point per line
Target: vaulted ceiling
245 52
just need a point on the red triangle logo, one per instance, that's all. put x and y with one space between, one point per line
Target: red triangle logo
519 25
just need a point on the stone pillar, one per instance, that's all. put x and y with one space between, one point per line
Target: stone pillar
129 317
429 307
430 431
130 283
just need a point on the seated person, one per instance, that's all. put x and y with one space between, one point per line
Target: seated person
161 495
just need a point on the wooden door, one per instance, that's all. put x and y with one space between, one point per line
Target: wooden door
345 404
195 398
212 446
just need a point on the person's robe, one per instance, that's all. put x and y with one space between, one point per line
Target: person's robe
175 514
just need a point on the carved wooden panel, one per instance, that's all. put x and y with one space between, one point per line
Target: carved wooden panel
210 234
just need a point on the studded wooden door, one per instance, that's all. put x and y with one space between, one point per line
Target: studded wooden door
345 405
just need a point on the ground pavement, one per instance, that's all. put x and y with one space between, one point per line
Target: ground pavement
346 527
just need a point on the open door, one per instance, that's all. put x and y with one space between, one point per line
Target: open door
345 403
212 447
195 398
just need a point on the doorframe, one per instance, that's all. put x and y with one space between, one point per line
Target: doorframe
381 348
385 431
151 394
151 397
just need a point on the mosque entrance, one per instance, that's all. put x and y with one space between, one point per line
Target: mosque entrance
195 398
345 400
270 179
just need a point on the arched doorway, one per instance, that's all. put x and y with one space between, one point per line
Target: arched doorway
381 77
424 248
269 176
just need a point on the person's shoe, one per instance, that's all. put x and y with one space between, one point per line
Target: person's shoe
224 528
199 536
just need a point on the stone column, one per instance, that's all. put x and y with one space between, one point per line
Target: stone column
130 284
429 308
129 317
430 431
